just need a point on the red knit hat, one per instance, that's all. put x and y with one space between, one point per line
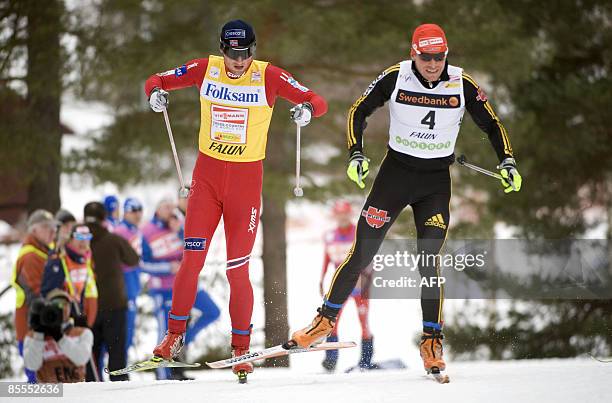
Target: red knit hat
428 38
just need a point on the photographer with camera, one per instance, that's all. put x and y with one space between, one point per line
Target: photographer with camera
55 348
70 269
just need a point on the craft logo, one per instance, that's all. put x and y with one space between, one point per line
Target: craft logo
373 84
427 100
195 244
374 217
235 33
234 43
256 76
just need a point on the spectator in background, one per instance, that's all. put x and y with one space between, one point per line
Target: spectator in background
111 205
110 252
55 348
338 243
28 271
71 269
162 251
66 221
129 230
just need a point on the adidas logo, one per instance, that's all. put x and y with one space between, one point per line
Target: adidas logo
436 221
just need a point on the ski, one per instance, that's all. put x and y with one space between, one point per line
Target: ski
438 376
152 363
606 361
287 348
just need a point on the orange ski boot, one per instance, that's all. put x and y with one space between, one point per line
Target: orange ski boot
316 332
431 353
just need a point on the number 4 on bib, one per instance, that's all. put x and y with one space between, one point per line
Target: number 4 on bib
430 119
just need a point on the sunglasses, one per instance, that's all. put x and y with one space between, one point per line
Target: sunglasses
237 54
427 57
81 234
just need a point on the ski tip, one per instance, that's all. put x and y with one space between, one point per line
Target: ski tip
442 379
438 375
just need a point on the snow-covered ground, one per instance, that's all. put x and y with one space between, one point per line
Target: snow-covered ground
515 381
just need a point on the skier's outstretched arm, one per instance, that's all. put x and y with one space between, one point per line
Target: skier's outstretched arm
189 74
281 83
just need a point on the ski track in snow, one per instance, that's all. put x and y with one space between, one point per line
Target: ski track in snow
539 381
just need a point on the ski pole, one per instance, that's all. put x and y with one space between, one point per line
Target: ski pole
297 191
183 193
463 161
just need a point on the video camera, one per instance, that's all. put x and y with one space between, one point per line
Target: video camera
45 316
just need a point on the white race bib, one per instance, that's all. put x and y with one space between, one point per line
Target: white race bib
425 122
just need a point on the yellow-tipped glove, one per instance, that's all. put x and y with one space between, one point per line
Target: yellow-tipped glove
511 178
358 168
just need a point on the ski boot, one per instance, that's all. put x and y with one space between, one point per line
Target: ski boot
331 356
170 346
432 355
320 328
367 351
243 369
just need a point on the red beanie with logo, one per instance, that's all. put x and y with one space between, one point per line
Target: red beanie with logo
428 38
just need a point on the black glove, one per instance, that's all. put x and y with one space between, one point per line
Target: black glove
34 315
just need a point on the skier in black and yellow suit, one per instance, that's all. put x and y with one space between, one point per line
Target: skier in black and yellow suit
427 99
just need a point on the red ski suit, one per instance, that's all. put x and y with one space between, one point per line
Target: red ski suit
227 178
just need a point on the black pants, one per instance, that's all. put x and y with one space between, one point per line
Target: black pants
395 187
110 331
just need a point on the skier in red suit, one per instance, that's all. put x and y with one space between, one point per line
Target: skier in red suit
237 96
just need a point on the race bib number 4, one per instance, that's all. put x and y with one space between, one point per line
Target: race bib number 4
229 125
